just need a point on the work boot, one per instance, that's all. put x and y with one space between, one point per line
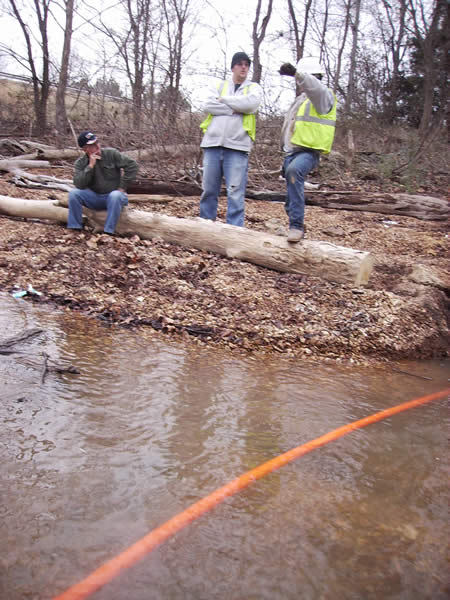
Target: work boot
295 235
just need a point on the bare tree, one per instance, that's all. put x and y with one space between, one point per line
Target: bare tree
324 29
341 48
258 35
393 35
41 83
299 36
353 56
176 17
430 31
132 44
61 114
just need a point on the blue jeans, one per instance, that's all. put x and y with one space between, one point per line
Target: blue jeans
233 165
112 203
296 168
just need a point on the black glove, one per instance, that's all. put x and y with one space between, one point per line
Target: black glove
287 69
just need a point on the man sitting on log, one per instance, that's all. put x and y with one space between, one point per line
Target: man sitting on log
307 132
101 178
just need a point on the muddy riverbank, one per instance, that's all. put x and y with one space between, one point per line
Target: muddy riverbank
208 299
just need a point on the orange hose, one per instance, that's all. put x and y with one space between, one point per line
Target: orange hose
145 545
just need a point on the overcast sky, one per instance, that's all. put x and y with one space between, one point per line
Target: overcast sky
224 27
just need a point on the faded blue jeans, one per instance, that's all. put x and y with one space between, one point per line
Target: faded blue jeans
112 203
296 168
221 162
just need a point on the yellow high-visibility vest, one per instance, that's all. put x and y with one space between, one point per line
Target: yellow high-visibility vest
313 130
248 120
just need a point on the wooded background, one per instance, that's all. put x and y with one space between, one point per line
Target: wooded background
130 69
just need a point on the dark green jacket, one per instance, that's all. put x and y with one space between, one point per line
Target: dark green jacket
115 170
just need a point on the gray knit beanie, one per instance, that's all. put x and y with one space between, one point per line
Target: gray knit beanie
238 57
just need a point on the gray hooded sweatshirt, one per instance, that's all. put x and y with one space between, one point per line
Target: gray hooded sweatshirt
320 96
226 127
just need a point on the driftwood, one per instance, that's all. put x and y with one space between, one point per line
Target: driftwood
11 146
173 188
132 199
50 154
426 208
33 209
12 164
30 180
43 151
319 259
408 205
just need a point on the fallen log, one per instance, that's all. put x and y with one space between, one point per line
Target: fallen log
182 188
29 180
426 208
132 199
11 146
158 152
33 209
155 187
12 164
408 205
316 258
49 154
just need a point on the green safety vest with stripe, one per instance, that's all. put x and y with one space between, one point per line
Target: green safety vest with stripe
313 130
248 120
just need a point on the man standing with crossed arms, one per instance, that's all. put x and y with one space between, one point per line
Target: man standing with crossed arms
229 133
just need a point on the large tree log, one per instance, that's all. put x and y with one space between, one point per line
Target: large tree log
408 205
319 259
30 180
33 209
174 188
158 152
53 154
12 164
426 208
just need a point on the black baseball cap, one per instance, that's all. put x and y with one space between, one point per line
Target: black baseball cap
87 137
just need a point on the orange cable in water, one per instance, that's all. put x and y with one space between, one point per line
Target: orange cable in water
154 538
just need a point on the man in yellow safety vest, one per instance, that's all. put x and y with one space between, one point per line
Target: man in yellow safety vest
307 132
229 133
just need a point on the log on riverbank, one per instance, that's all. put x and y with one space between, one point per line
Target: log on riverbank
426 208
315 258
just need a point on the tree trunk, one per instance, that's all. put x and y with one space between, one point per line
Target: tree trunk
314 258
351 77
258 38
60 108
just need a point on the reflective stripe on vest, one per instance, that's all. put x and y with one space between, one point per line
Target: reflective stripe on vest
313 130
248 120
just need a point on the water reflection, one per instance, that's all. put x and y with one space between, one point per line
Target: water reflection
92 462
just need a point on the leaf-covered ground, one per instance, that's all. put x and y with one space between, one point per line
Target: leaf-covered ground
208 299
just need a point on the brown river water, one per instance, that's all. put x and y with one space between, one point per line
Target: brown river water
91 462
